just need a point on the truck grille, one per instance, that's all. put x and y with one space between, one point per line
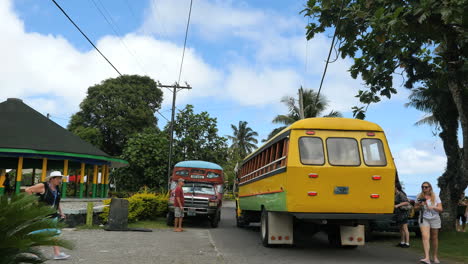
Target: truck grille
195 202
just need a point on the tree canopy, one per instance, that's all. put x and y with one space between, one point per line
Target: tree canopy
196 137
423 41
115 109
147 154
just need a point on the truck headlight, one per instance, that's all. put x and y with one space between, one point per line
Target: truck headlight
213 204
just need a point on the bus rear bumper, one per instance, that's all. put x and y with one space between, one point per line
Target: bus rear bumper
338 216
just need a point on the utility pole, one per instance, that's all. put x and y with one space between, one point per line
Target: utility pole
175 86
301 104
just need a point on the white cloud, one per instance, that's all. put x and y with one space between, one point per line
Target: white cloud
258 87
417 161
49 73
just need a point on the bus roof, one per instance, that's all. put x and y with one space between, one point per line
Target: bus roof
199 164
335 123
326 123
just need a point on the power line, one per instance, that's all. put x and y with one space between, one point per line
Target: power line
329 52
65 13
185 41
115 27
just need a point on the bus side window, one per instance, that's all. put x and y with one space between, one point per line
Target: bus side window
311 151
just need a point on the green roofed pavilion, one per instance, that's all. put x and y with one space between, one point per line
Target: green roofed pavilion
30 140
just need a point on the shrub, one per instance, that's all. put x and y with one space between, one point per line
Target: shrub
142 206
20 217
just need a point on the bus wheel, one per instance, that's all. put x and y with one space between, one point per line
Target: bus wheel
214 219
170 219
240 219
264 232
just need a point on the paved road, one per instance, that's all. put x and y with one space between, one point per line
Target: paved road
244 246
226 244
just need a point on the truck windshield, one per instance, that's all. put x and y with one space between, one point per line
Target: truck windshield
201 189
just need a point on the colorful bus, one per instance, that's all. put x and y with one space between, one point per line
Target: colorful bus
203 190
334 174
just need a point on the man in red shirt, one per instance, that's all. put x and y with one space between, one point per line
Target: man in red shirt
178 206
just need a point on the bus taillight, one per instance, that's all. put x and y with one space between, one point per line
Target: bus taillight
310 132
370 134
313 175
374 195
312 193
376 177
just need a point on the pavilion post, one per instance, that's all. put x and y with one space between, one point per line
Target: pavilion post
102 182
19 175
106 193
2 181
44 169
95 176
82 174
65 179
33 178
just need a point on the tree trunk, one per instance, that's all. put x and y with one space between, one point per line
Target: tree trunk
449 189
458 87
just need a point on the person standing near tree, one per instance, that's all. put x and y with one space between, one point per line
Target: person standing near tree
430 205
49 194
179 206
401 216
461 213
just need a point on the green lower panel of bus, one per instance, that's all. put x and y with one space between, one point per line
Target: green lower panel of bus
271 202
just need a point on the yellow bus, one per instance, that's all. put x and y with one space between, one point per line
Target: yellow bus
334 174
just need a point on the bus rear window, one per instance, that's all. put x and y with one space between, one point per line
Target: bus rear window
373 152
311 151
343 152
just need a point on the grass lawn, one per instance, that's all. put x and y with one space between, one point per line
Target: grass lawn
452 245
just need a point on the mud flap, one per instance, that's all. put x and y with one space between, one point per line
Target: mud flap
352 235
280 228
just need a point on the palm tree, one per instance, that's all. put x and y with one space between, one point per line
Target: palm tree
442 113
243 139
311 109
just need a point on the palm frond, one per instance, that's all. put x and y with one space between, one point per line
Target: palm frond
21 217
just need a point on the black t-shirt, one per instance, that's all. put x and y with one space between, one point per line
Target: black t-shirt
50 197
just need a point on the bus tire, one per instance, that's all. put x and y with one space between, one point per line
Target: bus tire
264 232
240 219
214 219
170 219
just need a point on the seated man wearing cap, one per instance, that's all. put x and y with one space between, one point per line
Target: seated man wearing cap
49 194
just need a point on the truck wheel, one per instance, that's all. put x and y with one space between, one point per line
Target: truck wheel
170 219
214 219
264 232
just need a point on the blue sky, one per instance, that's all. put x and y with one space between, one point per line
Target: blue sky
241 58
